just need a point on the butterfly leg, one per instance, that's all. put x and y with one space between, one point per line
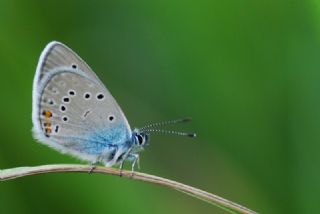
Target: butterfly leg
121 167
136 160
122 161
93 165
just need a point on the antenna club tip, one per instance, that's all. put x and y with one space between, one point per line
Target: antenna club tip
193 135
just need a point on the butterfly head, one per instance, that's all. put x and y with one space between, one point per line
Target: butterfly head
140 138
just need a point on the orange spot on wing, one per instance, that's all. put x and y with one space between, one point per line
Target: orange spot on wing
48 130
47 124
47 114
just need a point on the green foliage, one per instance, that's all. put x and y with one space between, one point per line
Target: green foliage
246 71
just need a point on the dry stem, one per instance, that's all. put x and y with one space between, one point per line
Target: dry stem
229 206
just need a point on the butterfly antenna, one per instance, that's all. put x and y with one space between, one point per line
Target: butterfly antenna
161 131
164 123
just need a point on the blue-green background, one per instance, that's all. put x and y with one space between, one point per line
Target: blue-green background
248 72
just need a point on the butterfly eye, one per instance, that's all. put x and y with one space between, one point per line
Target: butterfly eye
140 139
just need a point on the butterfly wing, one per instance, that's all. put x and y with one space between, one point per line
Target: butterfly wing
57 55
72 110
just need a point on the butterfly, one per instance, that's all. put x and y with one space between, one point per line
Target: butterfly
74 113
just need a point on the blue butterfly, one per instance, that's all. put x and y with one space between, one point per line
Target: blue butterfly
74 113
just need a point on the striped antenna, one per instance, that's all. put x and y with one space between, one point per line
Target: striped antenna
165 123
161 131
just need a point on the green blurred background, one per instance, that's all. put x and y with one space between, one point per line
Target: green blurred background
248 72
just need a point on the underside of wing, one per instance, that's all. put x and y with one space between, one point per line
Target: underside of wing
56 55
72 110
